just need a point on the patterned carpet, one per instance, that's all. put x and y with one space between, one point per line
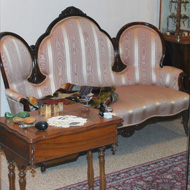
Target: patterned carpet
164 174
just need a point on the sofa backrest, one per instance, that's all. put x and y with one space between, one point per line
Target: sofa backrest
141 49
77 51
17 66
17 61
74 49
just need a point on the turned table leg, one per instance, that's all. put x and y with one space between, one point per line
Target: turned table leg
102 169
22 180
11 175
90 170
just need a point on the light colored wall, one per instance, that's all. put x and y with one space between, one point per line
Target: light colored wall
31 18
0 74
2 98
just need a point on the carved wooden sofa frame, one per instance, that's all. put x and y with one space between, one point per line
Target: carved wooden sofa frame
75 49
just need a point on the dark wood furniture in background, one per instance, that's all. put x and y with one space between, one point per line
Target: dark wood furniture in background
28 147
178 55
174 24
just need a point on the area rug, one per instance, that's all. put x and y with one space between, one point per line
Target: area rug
164 174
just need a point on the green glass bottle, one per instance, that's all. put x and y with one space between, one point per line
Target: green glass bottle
23 114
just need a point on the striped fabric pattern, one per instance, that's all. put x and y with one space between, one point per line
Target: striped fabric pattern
17 63
138 103
77 52
140 48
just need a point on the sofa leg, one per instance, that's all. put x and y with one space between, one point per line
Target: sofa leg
185 120
43 168
126 132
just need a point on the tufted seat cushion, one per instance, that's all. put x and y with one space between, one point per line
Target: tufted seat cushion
138 103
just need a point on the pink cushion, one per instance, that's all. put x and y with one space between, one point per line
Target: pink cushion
138 103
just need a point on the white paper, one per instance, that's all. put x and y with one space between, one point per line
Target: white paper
66 121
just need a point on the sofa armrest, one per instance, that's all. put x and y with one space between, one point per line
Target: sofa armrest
11 94
17 102
170 77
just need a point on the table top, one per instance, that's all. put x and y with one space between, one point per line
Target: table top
32 135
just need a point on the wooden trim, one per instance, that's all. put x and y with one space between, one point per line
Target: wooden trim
160 14
127 131
178 16
183 39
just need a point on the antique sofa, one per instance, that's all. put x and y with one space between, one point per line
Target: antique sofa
74 49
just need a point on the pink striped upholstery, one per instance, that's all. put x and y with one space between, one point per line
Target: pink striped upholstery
77 51
140 48
17 63
138 103
144 93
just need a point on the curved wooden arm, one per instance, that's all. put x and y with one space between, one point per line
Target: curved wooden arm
25 103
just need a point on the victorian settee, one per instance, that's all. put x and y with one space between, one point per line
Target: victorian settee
74 49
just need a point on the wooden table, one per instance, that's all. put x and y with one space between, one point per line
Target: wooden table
29 147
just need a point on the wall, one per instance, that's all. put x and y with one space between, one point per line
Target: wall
1 91
31 18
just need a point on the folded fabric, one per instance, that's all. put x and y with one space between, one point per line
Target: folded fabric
106 96
34 103
85 90
67 88
73 92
